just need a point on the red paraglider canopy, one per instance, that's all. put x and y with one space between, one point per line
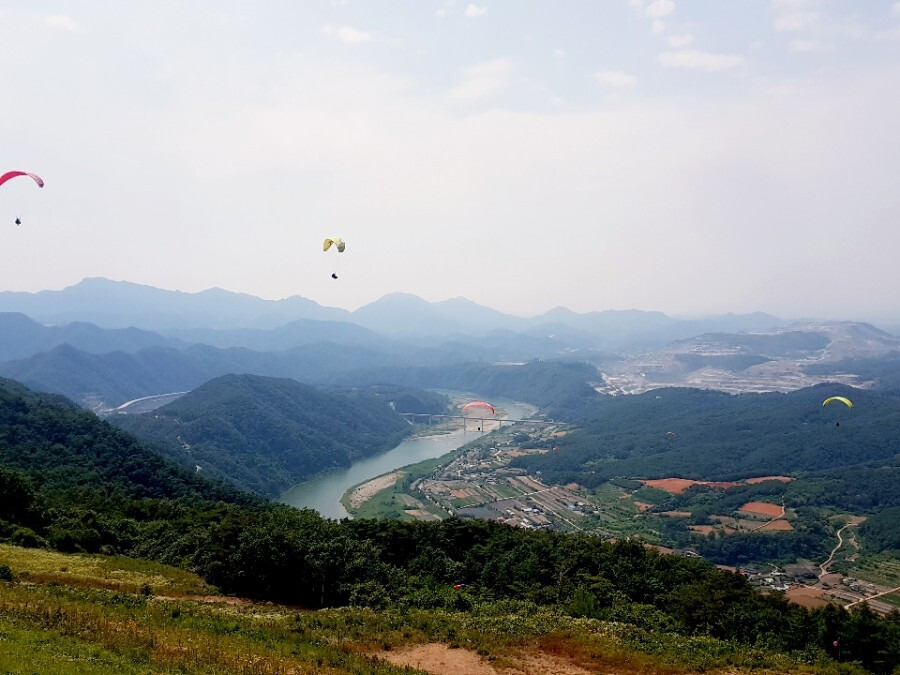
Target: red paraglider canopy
13 174
482 404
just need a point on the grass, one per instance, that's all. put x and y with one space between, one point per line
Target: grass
32 650
56 626
115 573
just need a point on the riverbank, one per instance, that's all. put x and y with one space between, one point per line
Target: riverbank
365 491
328 493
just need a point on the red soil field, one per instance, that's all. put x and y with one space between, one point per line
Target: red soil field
703 529
779 525
763 479
763 509
679 485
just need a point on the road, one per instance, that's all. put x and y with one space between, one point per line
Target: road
823 568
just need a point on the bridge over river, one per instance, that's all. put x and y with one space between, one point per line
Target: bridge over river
420 417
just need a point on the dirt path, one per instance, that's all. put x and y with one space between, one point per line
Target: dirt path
823 568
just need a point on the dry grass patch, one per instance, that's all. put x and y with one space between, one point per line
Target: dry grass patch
115 573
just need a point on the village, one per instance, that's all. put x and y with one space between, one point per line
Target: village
479 483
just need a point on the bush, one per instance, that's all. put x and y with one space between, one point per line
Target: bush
5 573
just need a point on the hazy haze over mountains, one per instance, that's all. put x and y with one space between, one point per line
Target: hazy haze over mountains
120 304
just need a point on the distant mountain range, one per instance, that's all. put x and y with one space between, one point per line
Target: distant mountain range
21 337
176 341
121 304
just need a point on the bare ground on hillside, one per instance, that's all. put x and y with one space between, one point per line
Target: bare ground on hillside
440 659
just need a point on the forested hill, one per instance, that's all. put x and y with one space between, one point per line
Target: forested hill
266 434
66 451
560 389
708 435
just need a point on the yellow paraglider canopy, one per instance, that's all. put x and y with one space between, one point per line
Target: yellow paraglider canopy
842 399
338 243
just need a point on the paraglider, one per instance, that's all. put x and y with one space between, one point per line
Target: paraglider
843 399
336 241
483 404
459 587
671 434
338 244
13 174
846 401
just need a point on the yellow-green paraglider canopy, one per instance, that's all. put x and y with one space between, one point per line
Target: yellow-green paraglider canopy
338 243
846 401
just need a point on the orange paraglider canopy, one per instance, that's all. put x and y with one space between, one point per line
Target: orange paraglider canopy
482 404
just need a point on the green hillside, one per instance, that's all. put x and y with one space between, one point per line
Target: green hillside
709 435
267 434
559 388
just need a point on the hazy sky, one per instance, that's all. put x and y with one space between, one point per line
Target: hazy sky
691 157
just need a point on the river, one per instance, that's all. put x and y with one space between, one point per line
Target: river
324 492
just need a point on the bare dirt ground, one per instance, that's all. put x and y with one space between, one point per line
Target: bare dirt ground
777 526
763 479
764 509
807 597
439 659
679 485
703 529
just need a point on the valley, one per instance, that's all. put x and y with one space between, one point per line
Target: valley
721 473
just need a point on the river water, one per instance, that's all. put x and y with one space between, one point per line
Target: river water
324 492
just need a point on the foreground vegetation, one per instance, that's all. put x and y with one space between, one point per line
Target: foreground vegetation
62 626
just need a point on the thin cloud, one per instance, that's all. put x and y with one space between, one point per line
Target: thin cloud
348 34
560 54
808 46
791 4
483 81
62 22
658 27
680 41
692 59
475 11
796 21
895 10
659 9
615 78
445 9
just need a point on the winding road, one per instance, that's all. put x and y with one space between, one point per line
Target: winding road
823 568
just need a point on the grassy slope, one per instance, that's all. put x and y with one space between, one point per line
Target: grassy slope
60 615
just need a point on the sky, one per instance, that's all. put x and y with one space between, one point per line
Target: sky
693 157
